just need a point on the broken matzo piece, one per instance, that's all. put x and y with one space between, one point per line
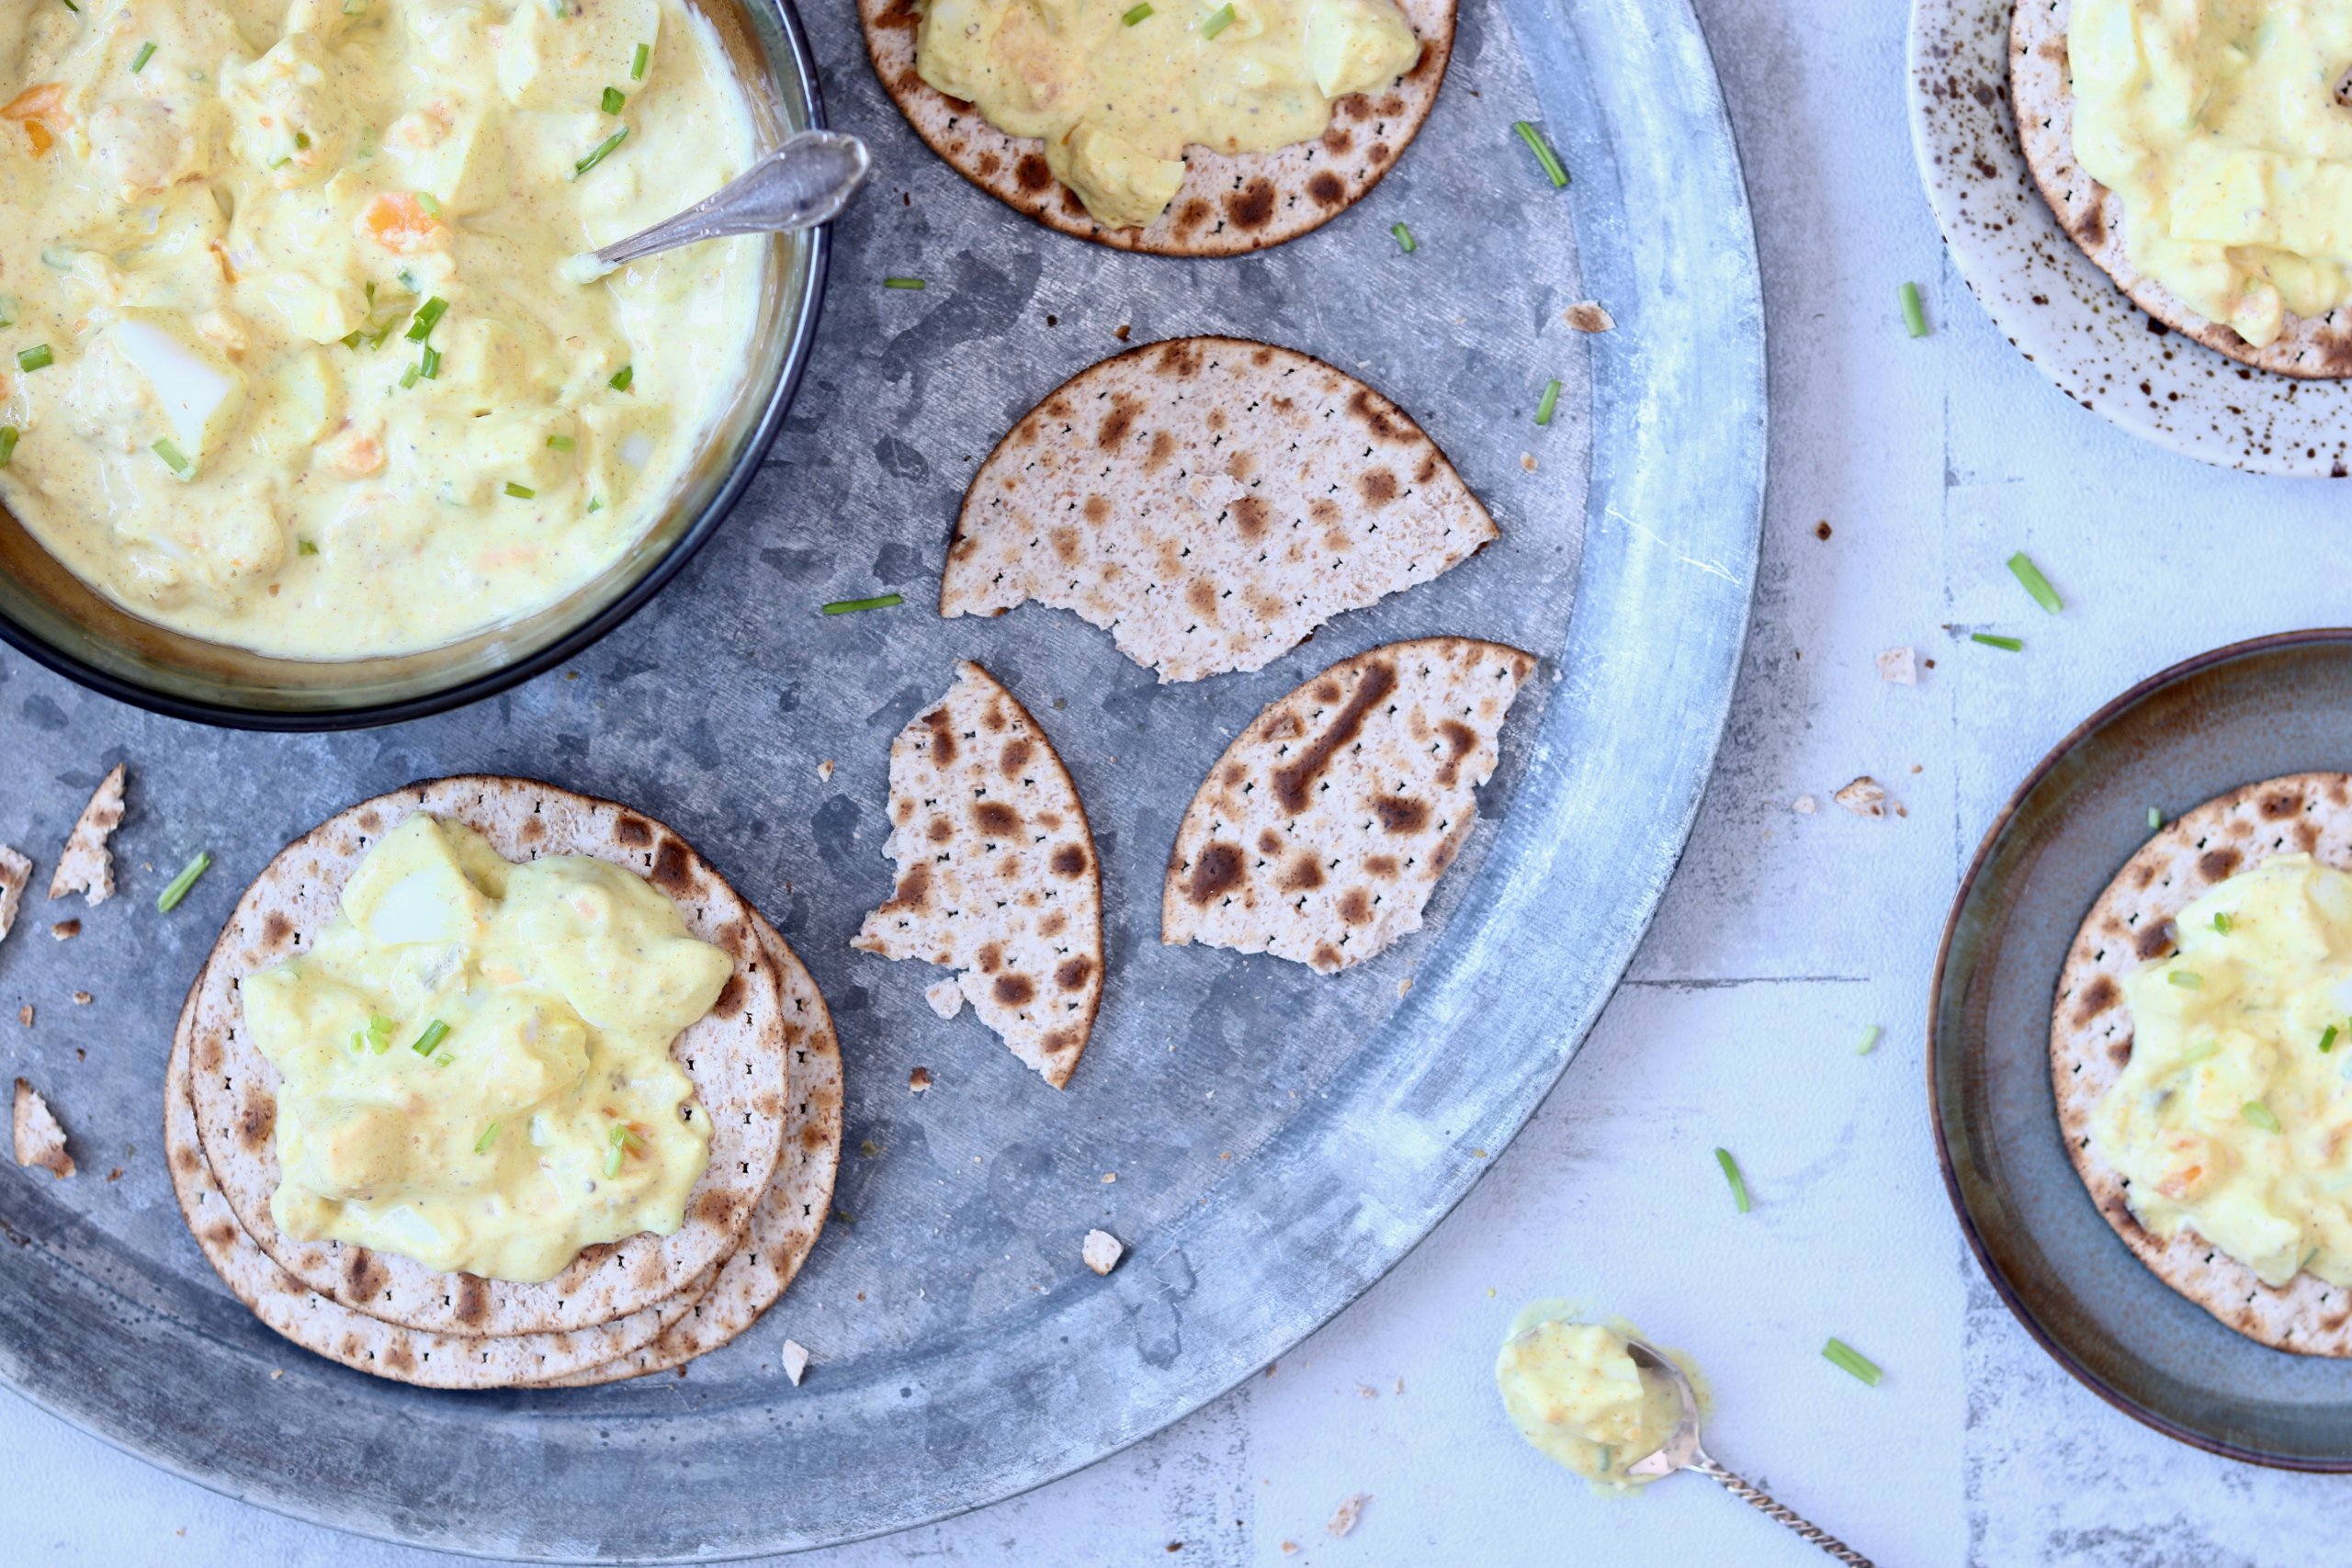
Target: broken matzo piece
1321 833
40 1140
1101 1251
86 865
15 875
997 873
1209 501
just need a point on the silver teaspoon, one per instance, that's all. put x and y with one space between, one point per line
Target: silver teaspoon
1682 1452
803 183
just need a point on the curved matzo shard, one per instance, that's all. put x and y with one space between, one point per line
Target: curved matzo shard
86 865
1321 832
1209 501
996 874
2090 1033
1228 204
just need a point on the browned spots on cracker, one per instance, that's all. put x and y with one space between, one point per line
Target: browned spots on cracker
1014 990
715 1207
1191 215
1379 154
1304 874
2280 804
730 996
900 14
1073 972
2120 1051
1052 925
812 1137
187 1159
533 830
1251 515
397 1355
1058 1041
1355 907
991 957
633 830
363 1277
1200 594
1381 866
1291 782
940 831
942 736
1379 487
1326 188
913 891
370 822
1068 861
1337 141
1375 417
988 163
1355 106
221 1236
1217 871
1097 509
1327 957
1017 752
2155 942
2307 836
1459 738
470 1306
274 929
1163 446
1401 814
1118 421
1066 546
1031 173
1180 357
673 872
2097 996
995 818
1270 843
1251 207
256 1119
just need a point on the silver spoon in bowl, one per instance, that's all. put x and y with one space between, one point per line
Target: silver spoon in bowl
1682 1452
805 182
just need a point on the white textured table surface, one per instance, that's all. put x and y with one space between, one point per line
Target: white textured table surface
1782 936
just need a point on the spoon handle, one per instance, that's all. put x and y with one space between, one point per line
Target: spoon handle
1755 1498
803 183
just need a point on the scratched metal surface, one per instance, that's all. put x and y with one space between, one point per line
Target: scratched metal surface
962 1353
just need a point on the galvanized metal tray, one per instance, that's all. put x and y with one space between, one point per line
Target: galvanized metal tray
1279 1139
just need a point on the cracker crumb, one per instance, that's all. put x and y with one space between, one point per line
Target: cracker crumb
275 1373
1121 331
796 1361
1365 1390
1109 1177
1404 986
945 997
40 1140
66 930
1527 461
83 998
918 1080
86 865
825 768
1103 1251
115 1175
1807 806
1344 1518
1864 798
25 1015
1587 316
1821 530
1290 1549
1899 667
15 875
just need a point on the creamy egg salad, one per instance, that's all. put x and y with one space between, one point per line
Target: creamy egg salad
476 1061
287 357
2222 125
1118 88
1573 1390
2235 1114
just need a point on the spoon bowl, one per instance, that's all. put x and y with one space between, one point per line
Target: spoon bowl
805 182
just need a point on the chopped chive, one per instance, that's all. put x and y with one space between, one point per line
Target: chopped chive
622 378
615 100
851 606
902 283
146 53
1867 1042
489 1136
1731 1174
431 203
2197 1054
2187 980
379 1033
351 340
2222 922
2035 583
520 492
1553 169
2327 1040
172 457
2259 1114
637 65
435 1032
1847 1359
2011 644
302 141
428 363
1915 319
595 505
2156 818
604 150
613 1160
1550 400
37 357
428 316
561 443
408 377
1219 20
408 279
627 1136
73 7
376 339
176 889
305 547
1136 14
1404 237
8 437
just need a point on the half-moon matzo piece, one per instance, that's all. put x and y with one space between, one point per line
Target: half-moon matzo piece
86 865
364 1343
1209 501
2042 92
996 872
1228 204
734 1054
1321 832
2090 1033
791 1213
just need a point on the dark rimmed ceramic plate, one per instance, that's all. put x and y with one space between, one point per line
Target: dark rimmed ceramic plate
2278 704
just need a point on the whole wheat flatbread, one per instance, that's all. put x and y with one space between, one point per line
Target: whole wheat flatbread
2090 1032
2042 92
734 1056
1209 501
1229 204
1321 832
997 873
364 1343
791 1213
86 865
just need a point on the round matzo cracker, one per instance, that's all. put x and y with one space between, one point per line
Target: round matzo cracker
791 1213
364 1343
1229 204
734 1056
2090 1033
2041 92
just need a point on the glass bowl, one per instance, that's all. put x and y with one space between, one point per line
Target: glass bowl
51 615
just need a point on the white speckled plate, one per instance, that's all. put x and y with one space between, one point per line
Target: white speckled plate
2064 313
